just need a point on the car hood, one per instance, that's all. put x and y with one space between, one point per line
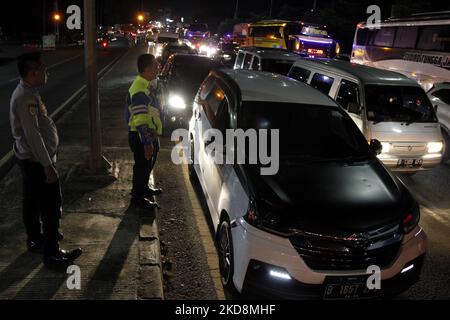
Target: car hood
329 197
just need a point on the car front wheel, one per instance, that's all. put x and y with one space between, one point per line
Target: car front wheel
226 261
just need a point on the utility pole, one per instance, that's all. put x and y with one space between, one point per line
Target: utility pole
56 18
314 5
236 10
271 8
96 160
44 17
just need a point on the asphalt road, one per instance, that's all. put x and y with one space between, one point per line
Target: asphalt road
66 68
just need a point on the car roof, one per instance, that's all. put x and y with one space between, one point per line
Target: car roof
268 53
365 74
193 57
271 87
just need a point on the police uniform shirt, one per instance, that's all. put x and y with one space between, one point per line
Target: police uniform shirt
34 132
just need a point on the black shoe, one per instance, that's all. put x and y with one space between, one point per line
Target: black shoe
152 192
143 203
62 258
35 245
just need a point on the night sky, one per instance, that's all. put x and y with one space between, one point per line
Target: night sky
27 15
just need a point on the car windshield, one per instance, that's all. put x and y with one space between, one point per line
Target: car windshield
193 72
277 66
167 40
308 132
398 104
317 32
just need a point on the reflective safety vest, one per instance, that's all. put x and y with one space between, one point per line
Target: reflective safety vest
143 109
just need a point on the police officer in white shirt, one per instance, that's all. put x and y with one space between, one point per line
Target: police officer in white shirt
35 146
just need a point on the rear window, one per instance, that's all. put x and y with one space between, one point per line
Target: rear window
277 66
300 74
266 32
167 40
322 83
361 37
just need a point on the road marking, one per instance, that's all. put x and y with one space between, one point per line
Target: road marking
53 65
8 157
205 236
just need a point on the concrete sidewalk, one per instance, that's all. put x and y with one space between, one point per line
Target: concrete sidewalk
121 258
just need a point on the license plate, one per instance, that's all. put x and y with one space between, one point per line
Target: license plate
348 289
409 163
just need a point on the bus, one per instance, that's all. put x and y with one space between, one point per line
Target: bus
299 37
417 46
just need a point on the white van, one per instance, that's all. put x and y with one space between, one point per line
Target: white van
385 105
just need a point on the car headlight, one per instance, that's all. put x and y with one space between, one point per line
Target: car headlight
386 147
435 147
177 102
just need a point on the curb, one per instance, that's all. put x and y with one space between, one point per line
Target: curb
150 266
7 162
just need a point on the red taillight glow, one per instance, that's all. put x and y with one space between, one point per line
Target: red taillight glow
104 44
408 219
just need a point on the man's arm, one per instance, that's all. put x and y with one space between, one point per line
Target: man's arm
27 112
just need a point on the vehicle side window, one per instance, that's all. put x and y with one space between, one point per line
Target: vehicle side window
385 37
443 95
247 61
213 103
223 116
239 60
406 37
348 94
322 83
206 87
256 64
434 38
300 74
166 68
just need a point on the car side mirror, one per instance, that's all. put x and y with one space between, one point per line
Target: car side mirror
354 108
376 147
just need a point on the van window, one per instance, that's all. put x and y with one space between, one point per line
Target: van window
348 93
384 37
406 37
300 74
256 63
434 38
239 60
247 61
322 83
277 66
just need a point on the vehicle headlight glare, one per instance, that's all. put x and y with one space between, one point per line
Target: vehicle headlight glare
435 147
177 102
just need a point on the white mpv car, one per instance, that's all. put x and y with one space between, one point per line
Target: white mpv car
332 211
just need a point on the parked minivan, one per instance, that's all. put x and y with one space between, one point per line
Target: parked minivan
331 212
265 59
385 105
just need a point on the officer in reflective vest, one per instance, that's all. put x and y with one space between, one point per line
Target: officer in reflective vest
145 126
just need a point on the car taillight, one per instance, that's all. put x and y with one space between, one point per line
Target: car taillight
410 221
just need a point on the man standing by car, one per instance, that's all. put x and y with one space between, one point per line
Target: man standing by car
35 146
145 127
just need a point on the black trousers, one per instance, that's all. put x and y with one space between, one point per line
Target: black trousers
41 206
142 167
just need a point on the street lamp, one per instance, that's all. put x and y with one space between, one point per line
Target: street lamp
56 19
140 18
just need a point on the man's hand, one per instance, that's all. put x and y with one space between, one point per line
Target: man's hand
51 174
148 151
